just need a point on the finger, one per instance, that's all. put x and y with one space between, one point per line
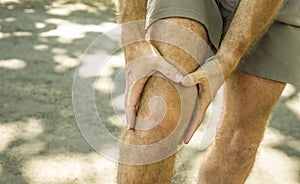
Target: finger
214 74
129 112
198 115
168 70
165 67
193 78
133 96
195 122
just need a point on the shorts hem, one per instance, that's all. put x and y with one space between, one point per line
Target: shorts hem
213 28
269 76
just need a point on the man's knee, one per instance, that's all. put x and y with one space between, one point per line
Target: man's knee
158 86
241 147
173 37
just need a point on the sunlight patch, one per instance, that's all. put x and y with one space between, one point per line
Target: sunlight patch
31 129
69 168
107 70
118 120
27 149
64 62
117 61
22 33
294 105
9 19
59 51
13 64
9 1
89 64
67 32
59 11
274 166
62 9
8 133
272 137
19 130
4 35
288 90
40 47
40 25
29 10
104 84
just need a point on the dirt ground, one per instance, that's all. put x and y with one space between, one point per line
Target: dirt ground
41 43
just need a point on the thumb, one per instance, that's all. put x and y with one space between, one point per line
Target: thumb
165 68
132 100
169 71
193 78
198 115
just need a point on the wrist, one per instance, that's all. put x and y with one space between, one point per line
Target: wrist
214 74
228 62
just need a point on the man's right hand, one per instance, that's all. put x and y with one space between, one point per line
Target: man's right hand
142 61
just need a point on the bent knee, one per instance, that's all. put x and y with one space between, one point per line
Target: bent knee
178 105
242 154
173 38
158 86
240 147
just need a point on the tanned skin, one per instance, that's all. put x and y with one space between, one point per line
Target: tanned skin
250 22
232 155
160 172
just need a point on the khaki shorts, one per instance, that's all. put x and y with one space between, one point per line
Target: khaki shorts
276 56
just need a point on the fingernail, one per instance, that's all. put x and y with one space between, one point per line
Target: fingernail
186 140
187 81
130 117
130 128
178 77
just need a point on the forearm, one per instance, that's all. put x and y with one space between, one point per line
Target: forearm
250 21
132 14
132 10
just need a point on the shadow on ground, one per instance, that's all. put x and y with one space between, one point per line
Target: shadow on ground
40 47
286 120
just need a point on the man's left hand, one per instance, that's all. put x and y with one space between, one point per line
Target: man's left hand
208 78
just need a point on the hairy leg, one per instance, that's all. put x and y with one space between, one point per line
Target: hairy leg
249 102
162 171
